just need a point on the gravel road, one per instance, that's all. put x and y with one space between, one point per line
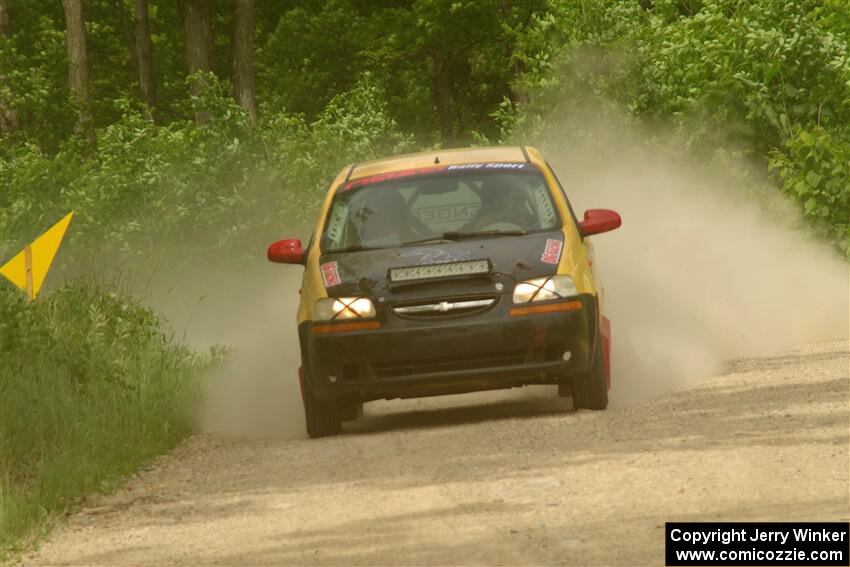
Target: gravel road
503 479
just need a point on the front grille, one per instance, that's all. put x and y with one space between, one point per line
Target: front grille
442 308
454 363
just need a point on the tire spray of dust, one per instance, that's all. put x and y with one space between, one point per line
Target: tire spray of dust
702 271
250 310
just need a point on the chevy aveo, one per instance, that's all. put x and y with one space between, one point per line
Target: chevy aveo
445 272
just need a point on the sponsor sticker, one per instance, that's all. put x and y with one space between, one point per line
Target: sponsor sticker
489 165
330 274
552 251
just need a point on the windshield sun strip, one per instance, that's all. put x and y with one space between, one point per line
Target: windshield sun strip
435 169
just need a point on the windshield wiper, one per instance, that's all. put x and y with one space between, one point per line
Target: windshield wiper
462 235
355 248
454 236
451 236
436 239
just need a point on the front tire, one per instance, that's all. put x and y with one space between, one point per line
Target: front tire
323 418
590 390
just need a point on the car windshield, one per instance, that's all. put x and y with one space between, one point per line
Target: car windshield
445 206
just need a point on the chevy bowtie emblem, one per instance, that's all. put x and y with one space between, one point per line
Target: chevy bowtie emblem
444 306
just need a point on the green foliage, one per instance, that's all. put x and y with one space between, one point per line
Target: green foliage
814 167
354 126
444 65
304 75
34 67
759 68
90 388
746 79
223 187
448 63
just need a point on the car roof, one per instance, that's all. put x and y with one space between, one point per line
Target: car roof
505 154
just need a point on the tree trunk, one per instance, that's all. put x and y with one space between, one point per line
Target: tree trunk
443 95
121 8
144 54
78 76
198 43
243 56
8 116
5 29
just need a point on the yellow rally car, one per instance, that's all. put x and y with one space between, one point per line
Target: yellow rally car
445 272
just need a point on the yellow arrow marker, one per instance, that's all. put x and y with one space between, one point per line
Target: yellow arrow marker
28 268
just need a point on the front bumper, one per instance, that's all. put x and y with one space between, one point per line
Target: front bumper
407 358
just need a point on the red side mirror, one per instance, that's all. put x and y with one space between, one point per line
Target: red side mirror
287 251
599 220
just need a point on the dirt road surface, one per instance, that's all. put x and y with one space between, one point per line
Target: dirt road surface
506 480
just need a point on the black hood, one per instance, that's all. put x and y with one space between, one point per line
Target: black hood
512 259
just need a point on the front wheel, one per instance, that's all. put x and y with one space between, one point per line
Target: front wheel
590 390
323 418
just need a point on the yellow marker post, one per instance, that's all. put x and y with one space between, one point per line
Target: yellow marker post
28 268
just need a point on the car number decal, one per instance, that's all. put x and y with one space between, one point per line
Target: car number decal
552 251
330 274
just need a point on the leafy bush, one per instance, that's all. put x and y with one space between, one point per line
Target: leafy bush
353 127
90 388
757 68
221 188
34 72
762 81
814 167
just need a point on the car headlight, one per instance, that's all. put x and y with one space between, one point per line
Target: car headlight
541 289
336 308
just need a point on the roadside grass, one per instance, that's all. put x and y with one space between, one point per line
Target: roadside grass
90 389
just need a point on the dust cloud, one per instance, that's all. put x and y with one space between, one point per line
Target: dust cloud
251 311
703 269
